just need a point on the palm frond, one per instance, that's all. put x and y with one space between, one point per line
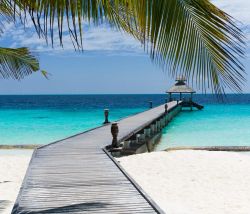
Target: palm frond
6 14
189 37
195 39
17 63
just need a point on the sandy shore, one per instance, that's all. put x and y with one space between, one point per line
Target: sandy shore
194 182
13 165
180 182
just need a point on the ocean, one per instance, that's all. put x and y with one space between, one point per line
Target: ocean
42 119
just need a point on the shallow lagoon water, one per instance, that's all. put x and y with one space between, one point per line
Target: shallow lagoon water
33 119
44 119
215 125
45 126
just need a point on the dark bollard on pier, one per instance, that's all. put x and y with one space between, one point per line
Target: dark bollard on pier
150 104
166 108
106 115
114 132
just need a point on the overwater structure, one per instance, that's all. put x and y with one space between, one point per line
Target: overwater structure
182 88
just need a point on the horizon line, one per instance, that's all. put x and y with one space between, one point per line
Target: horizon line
71 94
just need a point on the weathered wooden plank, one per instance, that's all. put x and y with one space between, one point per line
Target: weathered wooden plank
76 175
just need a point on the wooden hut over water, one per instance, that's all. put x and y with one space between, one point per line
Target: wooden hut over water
181 88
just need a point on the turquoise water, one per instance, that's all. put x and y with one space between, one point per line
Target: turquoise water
33 119
215 125
42 119
38 126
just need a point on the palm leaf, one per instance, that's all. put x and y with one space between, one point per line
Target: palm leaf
6 14
195 39
186 37
17 63
14 63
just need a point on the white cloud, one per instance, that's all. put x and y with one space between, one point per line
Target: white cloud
239 9
100 38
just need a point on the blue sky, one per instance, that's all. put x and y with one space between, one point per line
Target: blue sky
111 63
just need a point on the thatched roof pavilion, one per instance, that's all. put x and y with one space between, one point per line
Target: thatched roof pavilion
180 87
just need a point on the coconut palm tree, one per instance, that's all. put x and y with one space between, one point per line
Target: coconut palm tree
193 38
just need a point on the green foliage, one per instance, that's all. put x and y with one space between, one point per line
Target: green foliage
195 39
14 63
6 14
186 37
17 63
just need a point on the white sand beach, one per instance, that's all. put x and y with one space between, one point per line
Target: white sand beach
180 182
13 165
194 182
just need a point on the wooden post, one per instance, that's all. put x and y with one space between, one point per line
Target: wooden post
152 128
139 137
162 123
147 132
157 125
150 104
106 115
114 132
191 102
126 144
166 108
170 97
166 119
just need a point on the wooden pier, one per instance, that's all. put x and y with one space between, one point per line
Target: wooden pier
78 175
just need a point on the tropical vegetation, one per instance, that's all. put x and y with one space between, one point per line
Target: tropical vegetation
193 38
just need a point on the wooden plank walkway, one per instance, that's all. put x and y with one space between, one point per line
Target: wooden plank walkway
76 175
